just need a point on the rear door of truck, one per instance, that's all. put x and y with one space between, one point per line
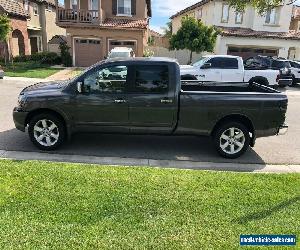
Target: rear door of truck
153 101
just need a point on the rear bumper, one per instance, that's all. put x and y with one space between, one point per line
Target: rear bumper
285 82
283 129
19 119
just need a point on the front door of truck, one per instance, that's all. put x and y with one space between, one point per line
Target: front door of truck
210 71
103 105
152 100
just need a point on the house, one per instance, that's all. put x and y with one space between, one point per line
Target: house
33 25
248 33
95 27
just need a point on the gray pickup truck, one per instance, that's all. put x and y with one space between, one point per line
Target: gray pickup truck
146 96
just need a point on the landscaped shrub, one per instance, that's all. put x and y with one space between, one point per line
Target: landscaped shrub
66 57
49 58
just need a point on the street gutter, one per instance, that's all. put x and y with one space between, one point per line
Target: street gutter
118 161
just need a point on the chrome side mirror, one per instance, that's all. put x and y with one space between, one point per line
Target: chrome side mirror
206 66
79 87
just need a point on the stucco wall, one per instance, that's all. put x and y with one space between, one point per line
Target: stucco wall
34 20
20 24
51 28
212 15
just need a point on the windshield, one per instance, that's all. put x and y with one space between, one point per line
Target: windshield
119 54
200 62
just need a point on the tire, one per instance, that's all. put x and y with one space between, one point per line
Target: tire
188 78
46 131
232 139
259 81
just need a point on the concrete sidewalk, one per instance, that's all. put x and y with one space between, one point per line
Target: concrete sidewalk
118 161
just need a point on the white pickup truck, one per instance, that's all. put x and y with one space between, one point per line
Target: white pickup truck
223 68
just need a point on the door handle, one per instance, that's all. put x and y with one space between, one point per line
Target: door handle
166 101
120 101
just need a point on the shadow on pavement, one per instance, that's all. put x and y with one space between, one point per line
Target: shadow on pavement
175 148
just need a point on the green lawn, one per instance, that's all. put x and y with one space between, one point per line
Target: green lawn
29 69
73 206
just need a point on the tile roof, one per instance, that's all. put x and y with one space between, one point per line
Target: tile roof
12 7
192 7
125 23
245 32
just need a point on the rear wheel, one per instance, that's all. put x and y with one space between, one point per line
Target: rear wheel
46 131
232 140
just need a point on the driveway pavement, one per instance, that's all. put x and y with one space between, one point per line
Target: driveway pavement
273 150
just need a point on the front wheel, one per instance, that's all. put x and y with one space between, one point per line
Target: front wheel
46 131
232 140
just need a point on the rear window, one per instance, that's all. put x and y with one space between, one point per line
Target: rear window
230 63
151 79
280 64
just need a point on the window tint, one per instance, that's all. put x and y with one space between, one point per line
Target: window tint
151 79
107 80
280 64
230 63
216 63
295 65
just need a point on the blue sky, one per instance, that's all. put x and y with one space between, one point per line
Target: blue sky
163 9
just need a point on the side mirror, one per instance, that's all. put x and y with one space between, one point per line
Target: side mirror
80 87
206 66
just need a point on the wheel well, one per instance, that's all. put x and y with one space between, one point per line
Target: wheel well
188 77
236 118
259 79
43 111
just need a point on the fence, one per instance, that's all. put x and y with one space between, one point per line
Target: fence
183 56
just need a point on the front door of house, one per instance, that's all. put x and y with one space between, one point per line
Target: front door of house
34 45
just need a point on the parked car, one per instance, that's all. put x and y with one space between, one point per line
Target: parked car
149 99
1 73
121 52
267 62
223 68
295 68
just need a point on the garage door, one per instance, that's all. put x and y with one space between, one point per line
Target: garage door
250 52
123 43
87 52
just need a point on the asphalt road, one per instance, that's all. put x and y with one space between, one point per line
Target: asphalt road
274 150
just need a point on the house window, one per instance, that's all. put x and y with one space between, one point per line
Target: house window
26 6
124 7
199 14
74 4
238 17
225 13
35 9
271 17
40 43
49 7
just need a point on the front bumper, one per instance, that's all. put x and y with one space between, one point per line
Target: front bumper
283 129
20 119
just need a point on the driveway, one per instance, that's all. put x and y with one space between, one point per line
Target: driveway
273 150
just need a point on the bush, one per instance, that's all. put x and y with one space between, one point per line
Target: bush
49 58
66 57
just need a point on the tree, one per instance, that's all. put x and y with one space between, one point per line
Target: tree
194 36
261 5
168 30
4 30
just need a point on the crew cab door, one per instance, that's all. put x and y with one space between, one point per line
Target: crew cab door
103 105
232 70
152 99
210 71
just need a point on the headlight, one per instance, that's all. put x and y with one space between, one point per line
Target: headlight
21 100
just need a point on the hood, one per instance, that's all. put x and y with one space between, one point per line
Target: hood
45 86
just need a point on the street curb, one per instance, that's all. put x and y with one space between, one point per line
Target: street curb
118 161
24 79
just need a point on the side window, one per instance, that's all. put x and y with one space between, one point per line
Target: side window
230 63
151 79
106 80
216 63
